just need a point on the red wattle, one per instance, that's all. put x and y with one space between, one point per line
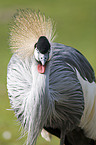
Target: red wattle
41 68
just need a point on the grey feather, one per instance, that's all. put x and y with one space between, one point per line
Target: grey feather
77 60
68 97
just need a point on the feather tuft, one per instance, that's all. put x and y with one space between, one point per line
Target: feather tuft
26 28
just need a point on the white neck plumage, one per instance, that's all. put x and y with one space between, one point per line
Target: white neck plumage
39 102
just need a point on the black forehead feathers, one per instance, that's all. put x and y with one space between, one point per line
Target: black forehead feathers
43 45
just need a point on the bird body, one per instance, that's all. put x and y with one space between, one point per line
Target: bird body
50 85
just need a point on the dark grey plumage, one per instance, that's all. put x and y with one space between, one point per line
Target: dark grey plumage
73 57
64 62
74 137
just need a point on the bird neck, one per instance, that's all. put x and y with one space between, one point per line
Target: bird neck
39 99
40 81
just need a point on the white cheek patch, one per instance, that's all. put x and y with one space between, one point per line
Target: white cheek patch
50 54
36 54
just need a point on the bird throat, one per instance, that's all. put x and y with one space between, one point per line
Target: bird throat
41 68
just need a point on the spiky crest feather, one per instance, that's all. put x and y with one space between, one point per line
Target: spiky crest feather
28 26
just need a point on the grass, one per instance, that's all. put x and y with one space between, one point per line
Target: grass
76 27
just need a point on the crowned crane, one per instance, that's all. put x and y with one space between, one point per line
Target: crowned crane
51 86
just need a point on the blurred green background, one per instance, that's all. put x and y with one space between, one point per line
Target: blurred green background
76 27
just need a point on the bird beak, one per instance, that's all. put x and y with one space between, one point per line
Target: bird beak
43 61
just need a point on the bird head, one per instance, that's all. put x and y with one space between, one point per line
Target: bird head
42 53
31 34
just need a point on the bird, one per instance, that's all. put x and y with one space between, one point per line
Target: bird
51 86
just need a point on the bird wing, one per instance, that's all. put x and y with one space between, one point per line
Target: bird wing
77 60
65 88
